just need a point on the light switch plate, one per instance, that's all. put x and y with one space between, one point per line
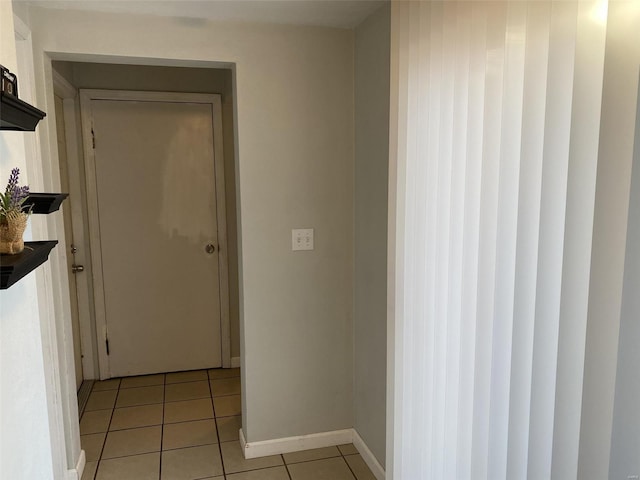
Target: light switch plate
302 239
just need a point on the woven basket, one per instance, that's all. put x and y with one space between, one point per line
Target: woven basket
11 232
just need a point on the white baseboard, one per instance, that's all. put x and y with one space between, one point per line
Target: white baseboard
235 362
76 473
316 440
294 444
368 457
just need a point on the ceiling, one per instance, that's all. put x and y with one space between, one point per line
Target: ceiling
327 13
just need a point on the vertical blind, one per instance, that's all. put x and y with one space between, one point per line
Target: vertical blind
494 149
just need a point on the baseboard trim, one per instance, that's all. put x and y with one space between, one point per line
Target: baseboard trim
235 362
316 440
294 444
83 395
368 457
243 443
76 473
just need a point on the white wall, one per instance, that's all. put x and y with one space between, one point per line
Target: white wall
371 179
295 164
24 411
494 144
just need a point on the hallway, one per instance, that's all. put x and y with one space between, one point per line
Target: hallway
184 426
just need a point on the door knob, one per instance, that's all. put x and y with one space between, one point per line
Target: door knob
210 248
77 268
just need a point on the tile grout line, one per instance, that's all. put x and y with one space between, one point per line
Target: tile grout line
344 457
215 421
164 395
286 467
106 435
349 467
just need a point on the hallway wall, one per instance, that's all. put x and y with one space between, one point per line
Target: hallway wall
371 178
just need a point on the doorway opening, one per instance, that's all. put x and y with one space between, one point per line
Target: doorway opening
70 78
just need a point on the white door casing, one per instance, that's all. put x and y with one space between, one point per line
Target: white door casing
68 227
155 202
76 209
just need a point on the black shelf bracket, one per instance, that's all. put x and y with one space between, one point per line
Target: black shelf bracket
18 115
14 267
44 203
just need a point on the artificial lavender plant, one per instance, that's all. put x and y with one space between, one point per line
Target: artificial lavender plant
13 198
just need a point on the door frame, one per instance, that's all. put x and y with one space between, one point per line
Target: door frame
68 239
77 211
86 96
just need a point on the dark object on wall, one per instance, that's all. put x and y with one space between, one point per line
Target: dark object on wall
44 202
14 113
9 83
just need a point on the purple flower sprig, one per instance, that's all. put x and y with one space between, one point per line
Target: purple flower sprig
12 184
14 196
19 195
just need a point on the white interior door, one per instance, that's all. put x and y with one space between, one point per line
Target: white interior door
155 196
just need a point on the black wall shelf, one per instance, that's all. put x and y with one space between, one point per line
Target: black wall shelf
14 267
18 115
44 203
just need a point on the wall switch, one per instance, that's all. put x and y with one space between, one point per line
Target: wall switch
302 239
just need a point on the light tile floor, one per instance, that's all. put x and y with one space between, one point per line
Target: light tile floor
184 426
